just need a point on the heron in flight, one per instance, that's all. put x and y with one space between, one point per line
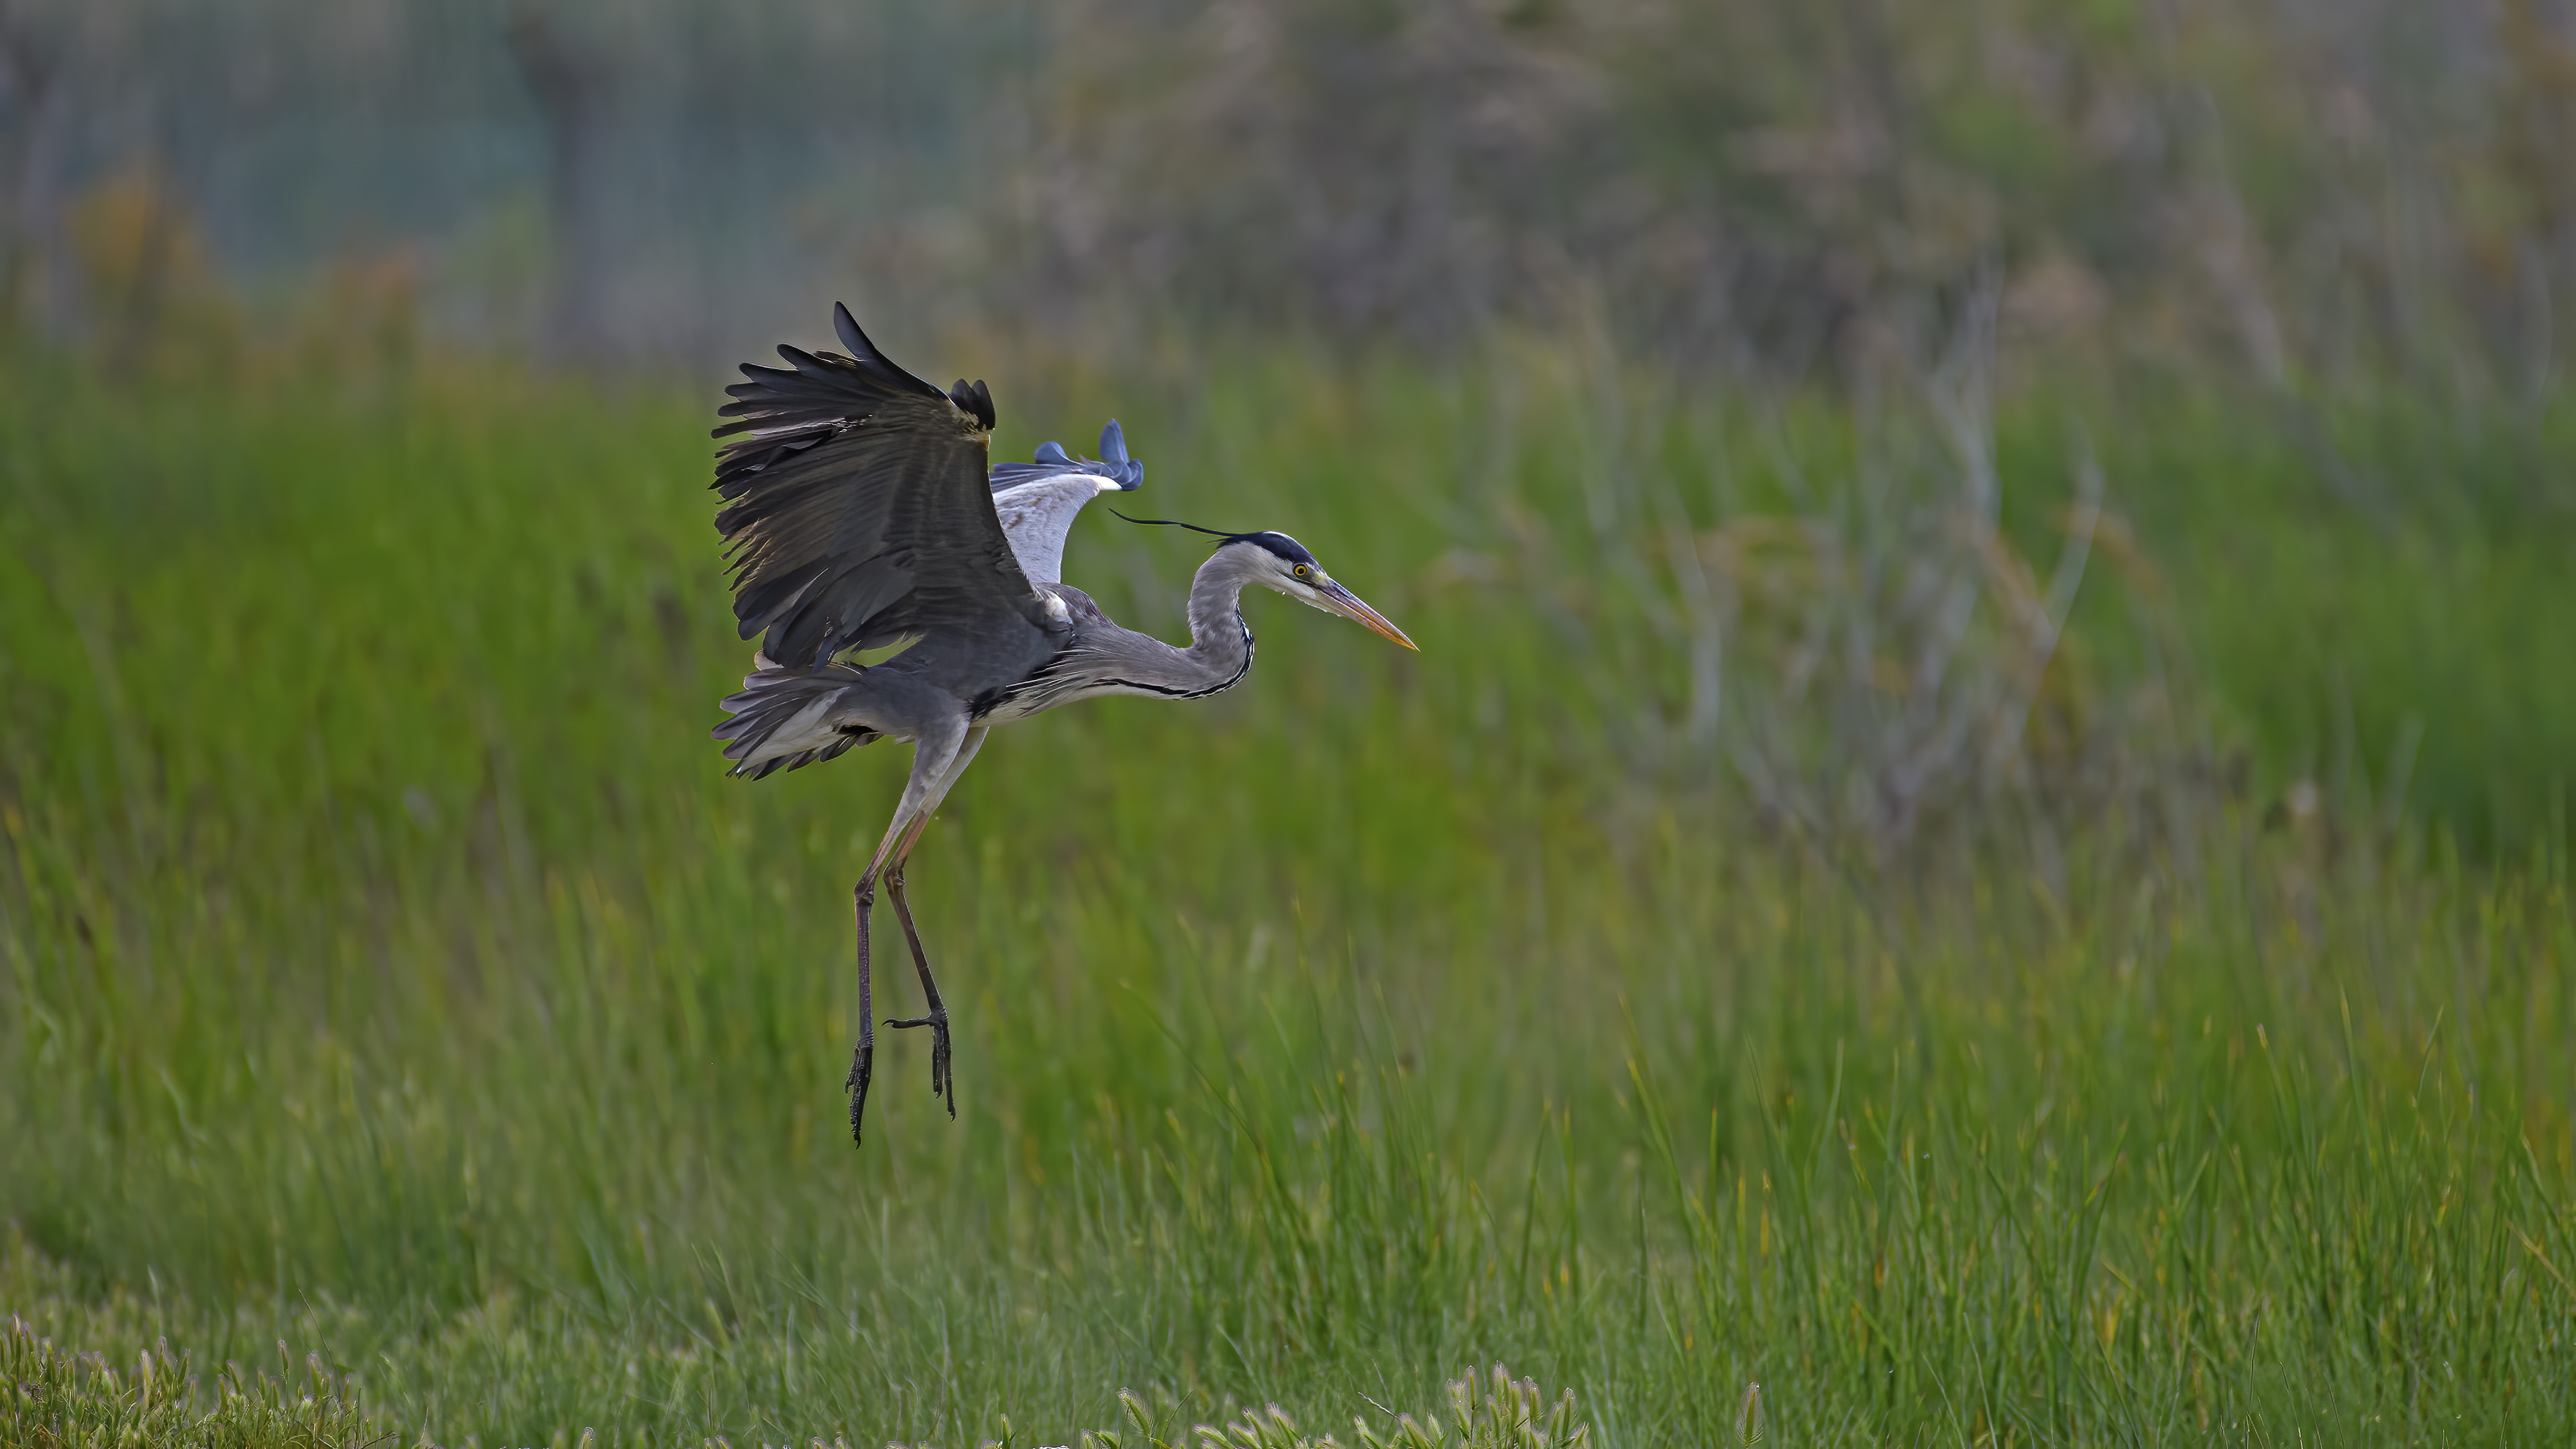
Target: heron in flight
859 515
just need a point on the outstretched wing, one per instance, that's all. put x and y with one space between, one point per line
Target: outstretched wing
1037 501
858 515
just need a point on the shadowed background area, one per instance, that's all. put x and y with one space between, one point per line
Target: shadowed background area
1978 839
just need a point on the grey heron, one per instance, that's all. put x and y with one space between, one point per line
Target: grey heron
859 515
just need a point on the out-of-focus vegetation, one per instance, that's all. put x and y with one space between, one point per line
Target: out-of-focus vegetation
2296 192
1978 841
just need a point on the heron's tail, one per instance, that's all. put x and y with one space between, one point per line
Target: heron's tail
783 719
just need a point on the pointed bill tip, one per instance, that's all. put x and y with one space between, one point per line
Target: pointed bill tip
1391 633
1350 606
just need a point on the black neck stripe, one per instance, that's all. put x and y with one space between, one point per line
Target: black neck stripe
1245 669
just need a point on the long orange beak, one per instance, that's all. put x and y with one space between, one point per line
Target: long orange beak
1349 605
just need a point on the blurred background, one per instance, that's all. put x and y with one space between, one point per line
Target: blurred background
1999 648
2295 193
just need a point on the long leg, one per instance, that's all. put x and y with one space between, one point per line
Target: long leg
936 1013
931 754
941 1083
863 899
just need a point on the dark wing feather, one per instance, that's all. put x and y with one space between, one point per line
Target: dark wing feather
857 514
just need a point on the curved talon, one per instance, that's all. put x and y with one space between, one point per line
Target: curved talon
942 1081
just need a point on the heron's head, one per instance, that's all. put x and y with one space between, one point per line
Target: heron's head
1276 561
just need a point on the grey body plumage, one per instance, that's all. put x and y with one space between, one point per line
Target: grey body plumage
861 514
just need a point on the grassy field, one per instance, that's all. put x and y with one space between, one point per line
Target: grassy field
392 978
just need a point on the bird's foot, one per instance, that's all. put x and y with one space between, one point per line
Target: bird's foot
861 1068
942 1084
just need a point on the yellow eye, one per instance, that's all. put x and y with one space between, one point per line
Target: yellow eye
1301 571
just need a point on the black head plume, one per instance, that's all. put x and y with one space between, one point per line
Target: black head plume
1271 539
1192 527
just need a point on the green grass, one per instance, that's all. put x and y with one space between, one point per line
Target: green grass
62 1397
391 973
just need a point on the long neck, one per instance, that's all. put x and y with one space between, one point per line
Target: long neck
1112 659
1220 643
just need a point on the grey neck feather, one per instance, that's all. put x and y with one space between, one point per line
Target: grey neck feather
1112 659
1220 642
